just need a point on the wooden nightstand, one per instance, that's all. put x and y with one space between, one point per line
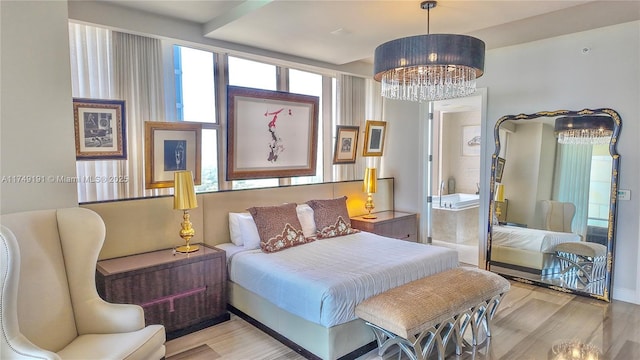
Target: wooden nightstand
393 224
183 292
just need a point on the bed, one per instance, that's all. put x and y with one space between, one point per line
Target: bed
530 250
307 293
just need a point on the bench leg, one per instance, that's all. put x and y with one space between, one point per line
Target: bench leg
479 316
416 347
419 346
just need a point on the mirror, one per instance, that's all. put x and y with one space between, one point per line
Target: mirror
553 191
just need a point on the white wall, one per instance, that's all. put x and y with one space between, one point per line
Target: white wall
464 169
522 171
402 153
528 173
36 132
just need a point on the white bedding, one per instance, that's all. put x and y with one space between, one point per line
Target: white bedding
543 241
324 280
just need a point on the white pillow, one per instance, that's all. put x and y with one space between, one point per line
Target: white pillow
305 215
234 228
243 230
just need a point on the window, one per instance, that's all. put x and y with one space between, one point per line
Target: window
256 75
301 82
600 186
196 102
195 85
252 74
190 80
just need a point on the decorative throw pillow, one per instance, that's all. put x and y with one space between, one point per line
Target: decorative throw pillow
278 226
332 217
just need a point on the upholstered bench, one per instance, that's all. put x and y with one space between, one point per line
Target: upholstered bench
585 259
428 312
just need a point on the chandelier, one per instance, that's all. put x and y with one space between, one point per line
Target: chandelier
589 130
429 67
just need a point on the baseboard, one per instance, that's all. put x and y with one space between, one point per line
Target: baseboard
626 295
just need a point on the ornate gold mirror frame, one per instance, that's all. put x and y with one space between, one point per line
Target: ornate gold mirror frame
605 292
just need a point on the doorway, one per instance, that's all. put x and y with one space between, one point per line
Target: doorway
455 215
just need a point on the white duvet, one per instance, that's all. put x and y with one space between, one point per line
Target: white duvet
543 241
324 280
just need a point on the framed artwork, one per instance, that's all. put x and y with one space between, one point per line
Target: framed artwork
169 147
374 138
100 128
499 169
346 144
471 140
270 134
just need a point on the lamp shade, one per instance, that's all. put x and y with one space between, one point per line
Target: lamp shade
430 50
429 67
370 180
500 192
184 193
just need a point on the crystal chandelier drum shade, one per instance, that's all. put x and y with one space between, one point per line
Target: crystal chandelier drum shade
584 129
429 67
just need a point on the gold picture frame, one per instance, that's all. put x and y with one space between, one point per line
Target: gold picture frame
374 135
346 145
499 169
171 147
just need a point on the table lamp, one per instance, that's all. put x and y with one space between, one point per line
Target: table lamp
184 198
369 187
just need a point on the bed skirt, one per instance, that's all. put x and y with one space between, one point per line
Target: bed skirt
325 343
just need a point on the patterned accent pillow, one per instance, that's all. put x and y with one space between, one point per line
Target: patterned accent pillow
278 226
332 217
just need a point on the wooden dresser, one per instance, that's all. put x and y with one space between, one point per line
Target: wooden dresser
183 292
392 224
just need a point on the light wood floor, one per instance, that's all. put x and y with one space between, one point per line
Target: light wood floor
530 323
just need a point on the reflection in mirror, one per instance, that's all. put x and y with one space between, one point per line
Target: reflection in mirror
554 180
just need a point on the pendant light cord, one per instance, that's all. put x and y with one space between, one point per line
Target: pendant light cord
428 19
428 5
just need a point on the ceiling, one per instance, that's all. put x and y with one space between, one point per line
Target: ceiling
342 32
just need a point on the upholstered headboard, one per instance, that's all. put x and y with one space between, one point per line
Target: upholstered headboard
142 225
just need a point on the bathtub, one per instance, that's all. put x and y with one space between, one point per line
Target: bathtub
457 220
456 201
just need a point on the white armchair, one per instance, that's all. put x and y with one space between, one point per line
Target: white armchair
557 215
49 306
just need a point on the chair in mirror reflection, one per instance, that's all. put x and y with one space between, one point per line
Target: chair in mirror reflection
558 170
557 215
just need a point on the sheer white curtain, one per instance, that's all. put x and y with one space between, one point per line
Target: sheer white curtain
374 111
92 77
358 100
137 68
572 181
112 65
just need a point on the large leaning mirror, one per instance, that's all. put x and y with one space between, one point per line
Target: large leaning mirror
553 191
